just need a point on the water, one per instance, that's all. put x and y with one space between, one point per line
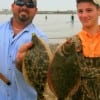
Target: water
56 26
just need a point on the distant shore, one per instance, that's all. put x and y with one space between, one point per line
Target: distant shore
6 11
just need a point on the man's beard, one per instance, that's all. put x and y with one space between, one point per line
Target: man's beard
23 18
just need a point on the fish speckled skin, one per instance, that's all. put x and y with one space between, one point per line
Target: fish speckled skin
35 65
64 71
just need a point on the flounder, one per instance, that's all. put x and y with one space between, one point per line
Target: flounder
35 65
64 71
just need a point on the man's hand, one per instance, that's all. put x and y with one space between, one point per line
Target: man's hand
21 53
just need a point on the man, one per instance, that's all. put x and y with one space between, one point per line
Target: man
15 40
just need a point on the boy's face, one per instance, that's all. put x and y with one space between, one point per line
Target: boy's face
88 14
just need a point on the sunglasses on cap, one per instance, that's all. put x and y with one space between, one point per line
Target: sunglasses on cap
27 4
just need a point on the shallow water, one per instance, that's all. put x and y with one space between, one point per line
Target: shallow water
56 26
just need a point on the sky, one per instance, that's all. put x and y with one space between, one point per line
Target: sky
46 5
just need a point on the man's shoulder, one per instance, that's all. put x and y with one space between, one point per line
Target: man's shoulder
37 30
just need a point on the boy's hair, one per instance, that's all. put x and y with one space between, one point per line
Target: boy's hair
91 1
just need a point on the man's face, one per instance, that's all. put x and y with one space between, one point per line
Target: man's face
24 10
